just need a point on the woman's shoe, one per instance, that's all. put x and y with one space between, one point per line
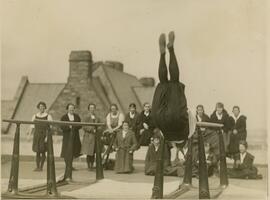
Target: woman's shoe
162 43
171 38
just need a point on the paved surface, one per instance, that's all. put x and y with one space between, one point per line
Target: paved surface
135 185
128 186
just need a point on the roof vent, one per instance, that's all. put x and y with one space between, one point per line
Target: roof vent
115 65
147 81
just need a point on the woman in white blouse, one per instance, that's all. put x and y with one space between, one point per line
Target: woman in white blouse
114 119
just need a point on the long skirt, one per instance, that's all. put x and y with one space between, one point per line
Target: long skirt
123 161
88 144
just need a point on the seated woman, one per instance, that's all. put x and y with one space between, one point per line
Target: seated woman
125 144
169 107
152 155
145 126
243 164
238 130
114 121
211 161
132 118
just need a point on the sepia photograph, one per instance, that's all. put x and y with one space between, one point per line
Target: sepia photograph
117 99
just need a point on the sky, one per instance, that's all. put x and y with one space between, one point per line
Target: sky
220 45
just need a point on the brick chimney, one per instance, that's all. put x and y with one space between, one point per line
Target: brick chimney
80 66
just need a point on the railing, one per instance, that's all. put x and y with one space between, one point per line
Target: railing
186 185
51 179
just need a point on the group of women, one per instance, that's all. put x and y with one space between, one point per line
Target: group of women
131 131
168 117
137 129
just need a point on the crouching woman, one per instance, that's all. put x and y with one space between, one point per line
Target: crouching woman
243 164
153 153
125 144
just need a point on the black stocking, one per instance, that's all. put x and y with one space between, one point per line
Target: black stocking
173 66
38 159
43 158
162 70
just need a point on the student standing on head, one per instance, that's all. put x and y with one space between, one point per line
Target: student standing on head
145 126
40 133
125 144
88 143
71 116
238 130
132 118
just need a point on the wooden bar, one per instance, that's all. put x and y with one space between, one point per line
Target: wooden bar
224 182
99 167
14 172
187 181
209 124
157 191
203 174
54 122
51 178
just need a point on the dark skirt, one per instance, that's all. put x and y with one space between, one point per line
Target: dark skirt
247 173
169 111
39 144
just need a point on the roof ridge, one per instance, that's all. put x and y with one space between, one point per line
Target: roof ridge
108 67
48 83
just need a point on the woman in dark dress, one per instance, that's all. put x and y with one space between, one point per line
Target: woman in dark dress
145 126
76 143
169 107
238 130
153 154
132 118
40 133
220 116
210 135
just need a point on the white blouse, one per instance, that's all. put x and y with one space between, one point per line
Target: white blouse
71 117
242 157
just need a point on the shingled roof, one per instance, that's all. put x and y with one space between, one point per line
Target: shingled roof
122 84
33 93
7 109
144 94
